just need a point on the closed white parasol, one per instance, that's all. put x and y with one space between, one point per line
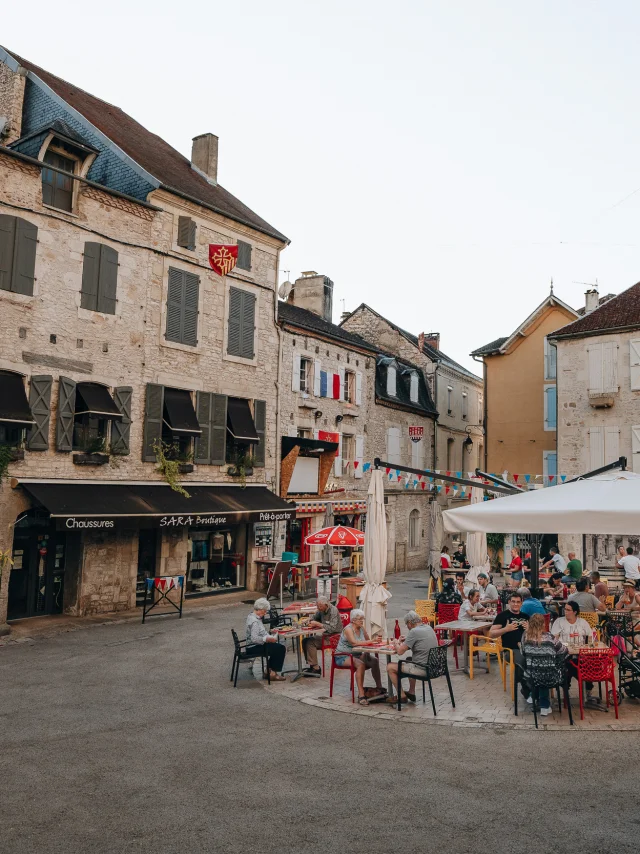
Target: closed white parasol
373 597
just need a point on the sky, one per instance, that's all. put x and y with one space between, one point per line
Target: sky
440 161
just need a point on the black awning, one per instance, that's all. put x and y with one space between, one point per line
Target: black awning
240 420
105 505
179 414
310 445
14 405
94 399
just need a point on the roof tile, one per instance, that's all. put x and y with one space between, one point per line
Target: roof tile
619 312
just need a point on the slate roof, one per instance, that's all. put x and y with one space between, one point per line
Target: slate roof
621 312
296 316
59 127
493 347
148 150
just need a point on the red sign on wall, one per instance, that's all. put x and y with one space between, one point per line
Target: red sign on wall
324 436
416 433
223 258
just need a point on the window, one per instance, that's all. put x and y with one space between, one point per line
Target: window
603 367
393 446
480 456
10 434
414 529
449 400
549 467
414 384
182 307
348 451
57 189
465 405
186 233
391 380
417 454
85 413
550 360
349 387
306 375
304 433
242 436
99 278
480 409
635 448
449 455
634 364
242 320
244 255
18 241
550 407
604 446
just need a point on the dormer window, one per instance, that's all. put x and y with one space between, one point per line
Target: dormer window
413 387
57 189
391 380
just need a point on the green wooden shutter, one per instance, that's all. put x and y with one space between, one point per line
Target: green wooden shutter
24 259
218 429
40 405
152 421
7 244
202 454
190 309
66 413
107 280
235 322
121 430
186 232
90 276
248 325
260 420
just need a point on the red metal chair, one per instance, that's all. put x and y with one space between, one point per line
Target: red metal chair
547 622
333 642
596 665
326 639
447 614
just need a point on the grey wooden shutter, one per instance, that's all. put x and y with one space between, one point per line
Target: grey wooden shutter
260 420
66 413
202 454
40 405
190 309
244 255
121 430
186 232
90 276
235 322
7 244
107 280
248 324
218 429
174 305
24 261
152 421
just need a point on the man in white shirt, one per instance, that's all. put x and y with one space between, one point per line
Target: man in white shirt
488 591
557 561
630 563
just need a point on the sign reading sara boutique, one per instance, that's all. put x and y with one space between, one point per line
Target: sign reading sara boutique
217 520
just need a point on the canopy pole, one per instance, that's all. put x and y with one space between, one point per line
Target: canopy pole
535 563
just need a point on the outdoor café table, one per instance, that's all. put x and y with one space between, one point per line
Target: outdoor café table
467 627
378 648
299 610
299 634
559 603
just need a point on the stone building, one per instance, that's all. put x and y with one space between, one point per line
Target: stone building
598 359
456 392
343 402
120 346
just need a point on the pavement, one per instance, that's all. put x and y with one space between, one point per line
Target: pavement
123 737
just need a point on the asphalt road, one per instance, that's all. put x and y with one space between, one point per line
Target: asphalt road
131 738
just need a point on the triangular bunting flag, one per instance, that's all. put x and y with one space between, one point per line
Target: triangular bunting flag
515 477
366 467
423 484
527 477
458 474
551 477
563 477
355 465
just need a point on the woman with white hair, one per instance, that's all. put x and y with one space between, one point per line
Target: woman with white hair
258 636
353 635
420 639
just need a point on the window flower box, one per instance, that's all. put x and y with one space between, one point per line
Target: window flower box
90 459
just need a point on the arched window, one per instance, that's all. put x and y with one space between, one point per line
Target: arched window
414 529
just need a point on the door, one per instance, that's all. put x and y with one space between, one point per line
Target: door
36 582
147 538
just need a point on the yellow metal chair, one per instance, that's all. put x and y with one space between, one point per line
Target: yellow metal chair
491 646
426 608
507 659
593 618
432 585
356 562
610 602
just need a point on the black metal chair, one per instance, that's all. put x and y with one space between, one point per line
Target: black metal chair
436 666
243 651
276 618
546 671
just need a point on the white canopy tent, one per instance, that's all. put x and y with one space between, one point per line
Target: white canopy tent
608 503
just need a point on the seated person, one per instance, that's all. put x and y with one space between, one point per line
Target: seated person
573 571
600 589
471 609
530 605
448 595
353 635
510 625
258 636
586 600
327 618
571 628
556 589
630 601
460 576
445 559
488 591
458 555
536 642
419 639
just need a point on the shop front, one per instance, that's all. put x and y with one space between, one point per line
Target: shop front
88 547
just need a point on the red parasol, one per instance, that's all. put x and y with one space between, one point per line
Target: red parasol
336 536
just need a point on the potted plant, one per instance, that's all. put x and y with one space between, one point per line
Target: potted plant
9 454
242 467
168 464
6 562
94 453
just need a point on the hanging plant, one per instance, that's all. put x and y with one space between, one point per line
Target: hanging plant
168 464
6 457
241 467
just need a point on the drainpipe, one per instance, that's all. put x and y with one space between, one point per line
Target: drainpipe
278 375
485 429
435 422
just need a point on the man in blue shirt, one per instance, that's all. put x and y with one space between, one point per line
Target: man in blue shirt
529 604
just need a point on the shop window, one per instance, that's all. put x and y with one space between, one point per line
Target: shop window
57 189
414 529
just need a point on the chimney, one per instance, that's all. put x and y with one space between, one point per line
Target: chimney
204 156
432 339
591 300
314 292
12 83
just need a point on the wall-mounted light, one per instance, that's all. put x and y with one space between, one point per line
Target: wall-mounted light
468 444
339 418
317 414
